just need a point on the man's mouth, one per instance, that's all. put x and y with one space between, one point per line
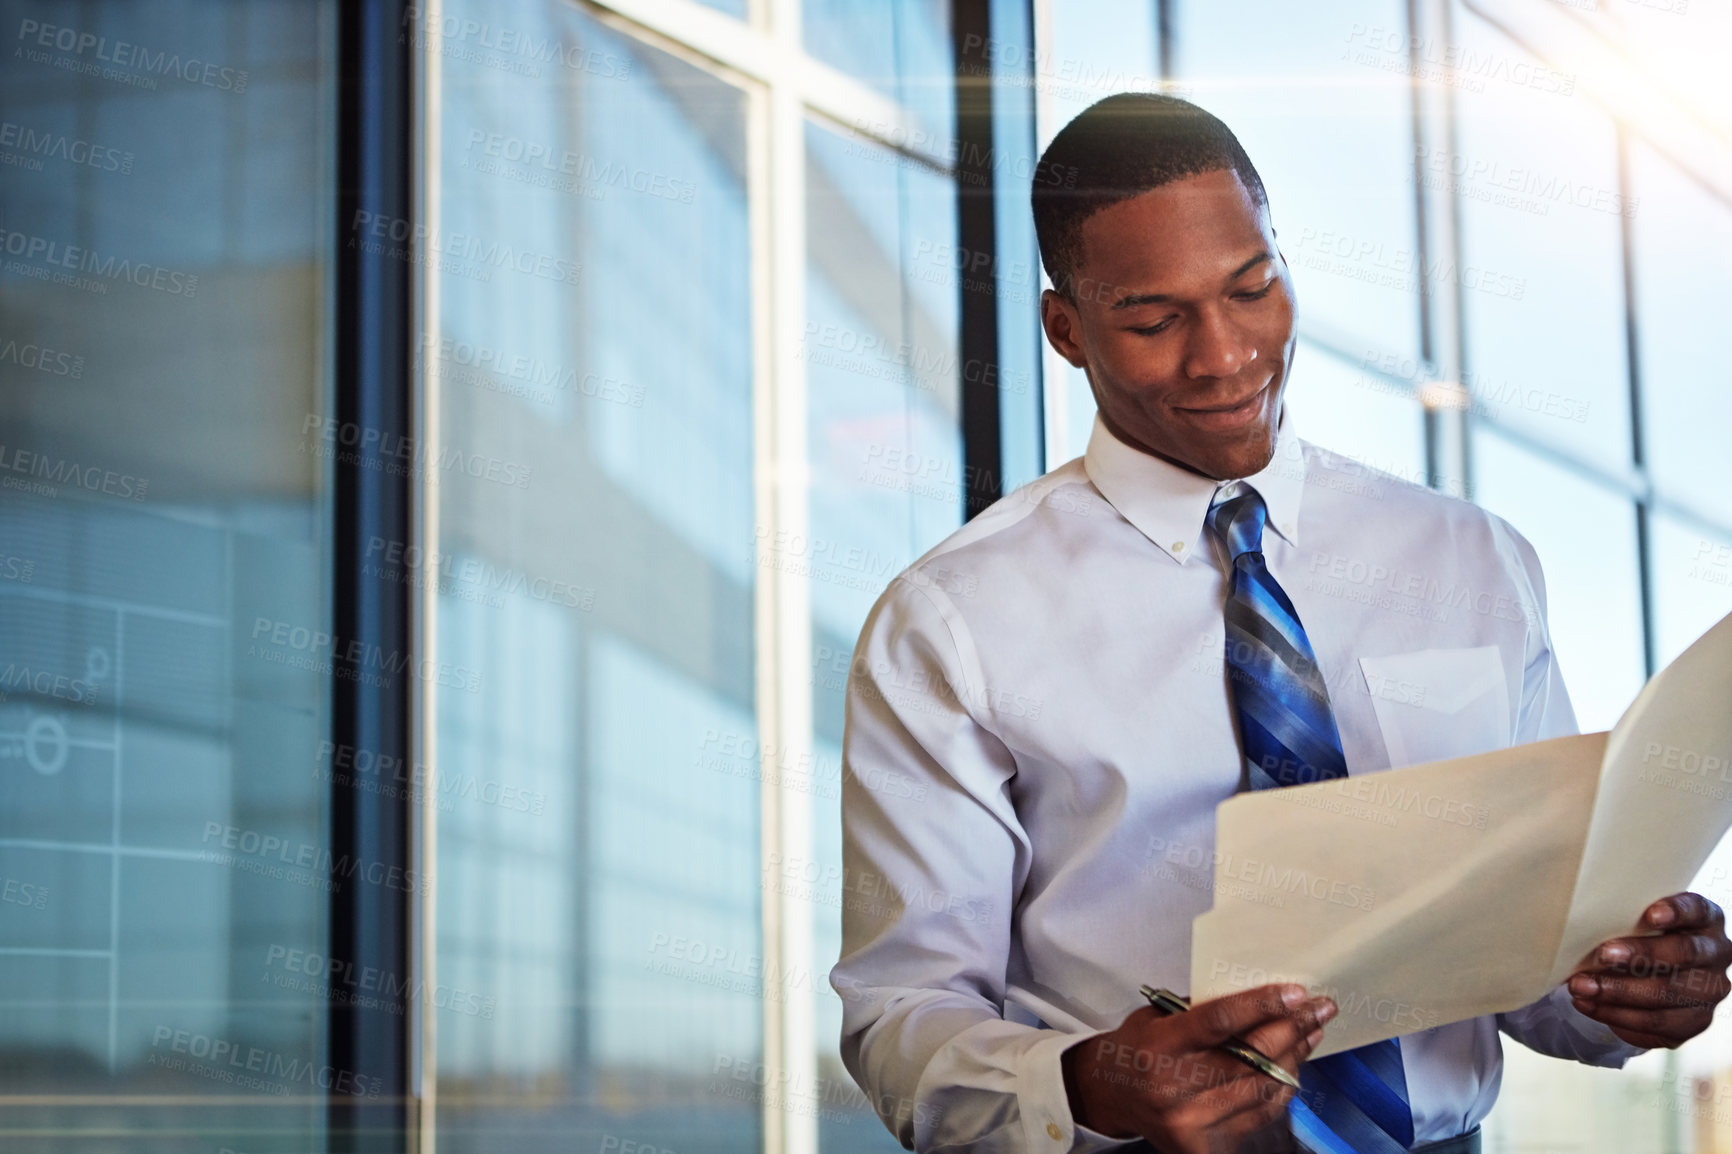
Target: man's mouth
1231 414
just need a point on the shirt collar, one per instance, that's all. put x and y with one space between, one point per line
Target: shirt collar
1168 504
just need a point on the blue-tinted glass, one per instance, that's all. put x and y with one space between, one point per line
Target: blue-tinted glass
165 634
1683 249
598 857
887 474
901 48
1352 409
1323 109
1690 571
1018 282
1535 173
1096 49
1585 537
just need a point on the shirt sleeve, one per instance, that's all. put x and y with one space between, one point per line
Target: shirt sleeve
1551 1025
934 860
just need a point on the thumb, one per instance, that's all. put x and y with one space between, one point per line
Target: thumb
1222 1019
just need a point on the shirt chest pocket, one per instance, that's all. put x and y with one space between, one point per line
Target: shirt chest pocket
1433 704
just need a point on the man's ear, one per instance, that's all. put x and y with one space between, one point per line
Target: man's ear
1063 326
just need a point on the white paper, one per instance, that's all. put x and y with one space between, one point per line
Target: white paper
1444 891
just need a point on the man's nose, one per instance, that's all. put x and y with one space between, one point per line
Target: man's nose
1218 348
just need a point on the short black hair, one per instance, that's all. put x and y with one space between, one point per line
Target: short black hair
1119 148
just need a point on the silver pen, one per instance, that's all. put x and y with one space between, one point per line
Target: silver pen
1171 1003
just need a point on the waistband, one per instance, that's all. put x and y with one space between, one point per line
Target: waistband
1461 1144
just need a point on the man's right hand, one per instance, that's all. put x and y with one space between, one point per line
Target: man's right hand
1160 1077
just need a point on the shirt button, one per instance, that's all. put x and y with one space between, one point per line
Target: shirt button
1053 1132
1178 546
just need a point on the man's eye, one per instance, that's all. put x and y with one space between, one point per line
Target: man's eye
1255 294
1151 330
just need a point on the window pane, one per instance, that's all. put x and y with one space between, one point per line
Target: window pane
1354 411
1683 242
1690 570
1323 109
598 806
1097 49
1540 278
887 474
1586 540
164 622
899 47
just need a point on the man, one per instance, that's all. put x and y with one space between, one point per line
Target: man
1065 689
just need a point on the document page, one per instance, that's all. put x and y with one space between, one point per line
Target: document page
1438 892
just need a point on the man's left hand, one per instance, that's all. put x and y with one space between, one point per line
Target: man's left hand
1659 990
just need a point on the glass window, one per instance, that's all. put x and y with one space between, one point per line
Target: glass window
1357 412
1690 570
1683 247
1535 174
1321 103
1085 53
1093 51
887 475
165 623
901 48
1585 537
598 785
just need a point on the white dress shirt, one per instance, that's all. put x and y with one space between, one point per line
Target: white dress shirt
1046 693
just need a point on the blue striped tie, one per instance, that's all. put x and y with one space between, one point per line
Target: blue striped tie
1354 1102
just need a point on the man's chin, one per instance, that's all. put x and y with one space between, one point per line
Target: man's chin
1230 459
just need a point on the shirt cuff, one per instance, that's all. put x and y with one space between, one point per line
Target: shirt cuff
1605 1047
1048 1127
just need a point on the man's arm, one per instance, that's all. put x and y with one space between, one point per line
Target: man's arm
1631 993
1552 1025
935 860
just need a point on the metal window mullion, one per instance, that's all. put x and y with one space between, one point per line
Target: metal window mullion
421 1020
374 315
977 233
710 39
777 199
1448 450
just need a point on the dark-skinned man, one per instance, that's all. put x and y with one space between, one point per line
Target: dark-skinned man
1066 688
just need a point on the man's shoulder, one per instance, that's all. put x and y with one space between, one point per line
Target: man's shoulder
1382 492
1020 532
1060 501
1399 509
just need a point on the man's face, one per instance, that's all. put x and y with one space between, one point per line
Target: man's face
1183 320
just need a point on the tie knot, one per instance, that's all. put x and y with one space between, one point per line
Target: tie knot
1238 521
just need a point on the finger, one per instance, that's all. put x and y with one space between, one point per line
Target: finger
1222 1019
1672 1025
1262 1113
1288 1041
1260 1130
1682 911
1251 1101
1682 989
1674 950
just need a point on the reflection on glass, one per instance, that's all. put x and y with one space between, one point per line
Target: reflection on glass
1585 537
165 638
1683 243
902 48
1541 284
887 475
598 797
1323 108
1353 411
1095 50
1690 568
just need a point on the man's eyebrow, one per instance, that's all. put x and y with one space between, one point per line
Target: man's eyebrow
1136 299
